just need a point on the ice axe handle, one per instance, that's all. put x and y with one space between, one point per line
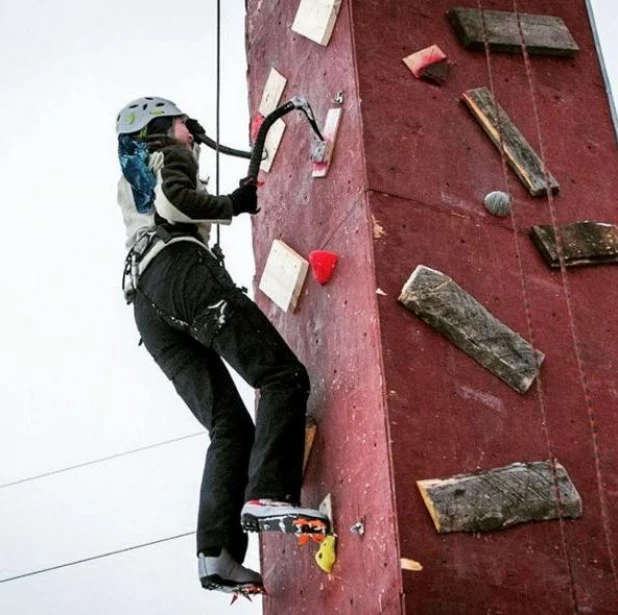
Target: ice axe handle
258 147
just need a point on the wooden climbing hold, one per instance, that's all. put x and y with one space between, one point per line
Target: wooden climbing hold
311 428
506 136
315 19
583 243
273 90
322 151
283 276
440 302
499 498
410 564
543 34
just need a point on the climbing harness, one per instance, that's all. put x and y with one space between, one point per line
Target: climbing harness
130 274
159 233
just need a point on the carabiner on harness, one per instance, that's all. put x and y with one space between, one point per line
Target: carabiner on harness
131 264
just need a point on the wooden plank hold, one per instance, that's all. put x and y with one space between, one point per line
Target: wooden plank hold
272 143
283 276
410 564
273 90
321 160
311 428
543 34
315 19
440 302
521 157
583 243
499 498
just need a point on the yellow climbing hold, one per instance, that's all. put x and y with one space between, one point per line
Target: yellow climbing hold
326 555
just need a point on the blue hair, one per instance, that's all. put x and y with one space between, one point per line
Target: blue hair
133 157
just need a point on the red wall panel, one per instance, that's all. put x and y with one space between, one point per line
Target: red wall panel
396 402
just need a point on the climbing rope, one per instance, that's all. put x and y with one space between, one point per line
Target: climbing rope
528 315
528 312
218 118
583 380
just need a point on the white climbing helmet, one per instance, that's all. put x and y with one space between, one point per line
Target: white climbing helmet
139 112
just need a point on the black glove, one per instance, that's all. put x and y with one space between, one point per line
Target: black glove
196 129
244 198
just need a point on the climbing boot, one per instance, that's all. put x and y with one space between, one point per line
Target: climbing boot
223 573
270 515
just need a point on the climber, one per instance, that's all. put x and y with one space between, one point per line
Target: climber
191 316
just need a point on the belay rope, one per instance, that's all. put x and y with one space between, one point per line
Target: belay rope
217 251
257 151
569 306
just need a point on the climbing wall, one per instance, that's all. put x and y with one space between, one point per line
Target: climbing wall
334 328
450 342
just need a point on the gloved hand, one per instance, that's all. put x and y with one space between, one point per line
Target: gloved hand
196 129
244 198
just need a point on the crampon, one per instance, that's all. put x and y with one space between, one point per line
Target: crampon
246 590
265 516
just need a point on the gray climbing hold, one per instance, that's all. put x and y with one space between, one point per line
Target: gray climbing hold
498 203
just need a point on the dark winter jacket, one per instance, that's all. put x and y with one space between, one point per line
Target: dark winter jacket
180 197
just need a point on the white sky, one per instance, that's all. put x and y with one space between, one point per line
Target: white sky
75 385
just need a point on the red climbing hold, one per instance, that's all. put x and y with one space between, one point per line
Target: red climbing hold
430 63
256 122
322 264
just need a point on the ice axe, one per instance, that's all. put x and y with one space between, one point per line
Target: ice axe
200 136
256 154
258 147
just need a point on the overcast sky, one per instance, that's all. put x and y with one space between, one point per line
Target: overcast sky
75 385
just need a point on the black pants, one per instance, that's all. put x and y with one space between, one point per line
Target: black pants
191 315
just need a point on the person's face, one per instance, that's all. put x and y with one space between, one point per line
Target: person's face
181 132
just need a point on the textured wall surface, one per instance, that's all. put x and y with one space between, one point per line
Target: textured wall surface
396 402
334 330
